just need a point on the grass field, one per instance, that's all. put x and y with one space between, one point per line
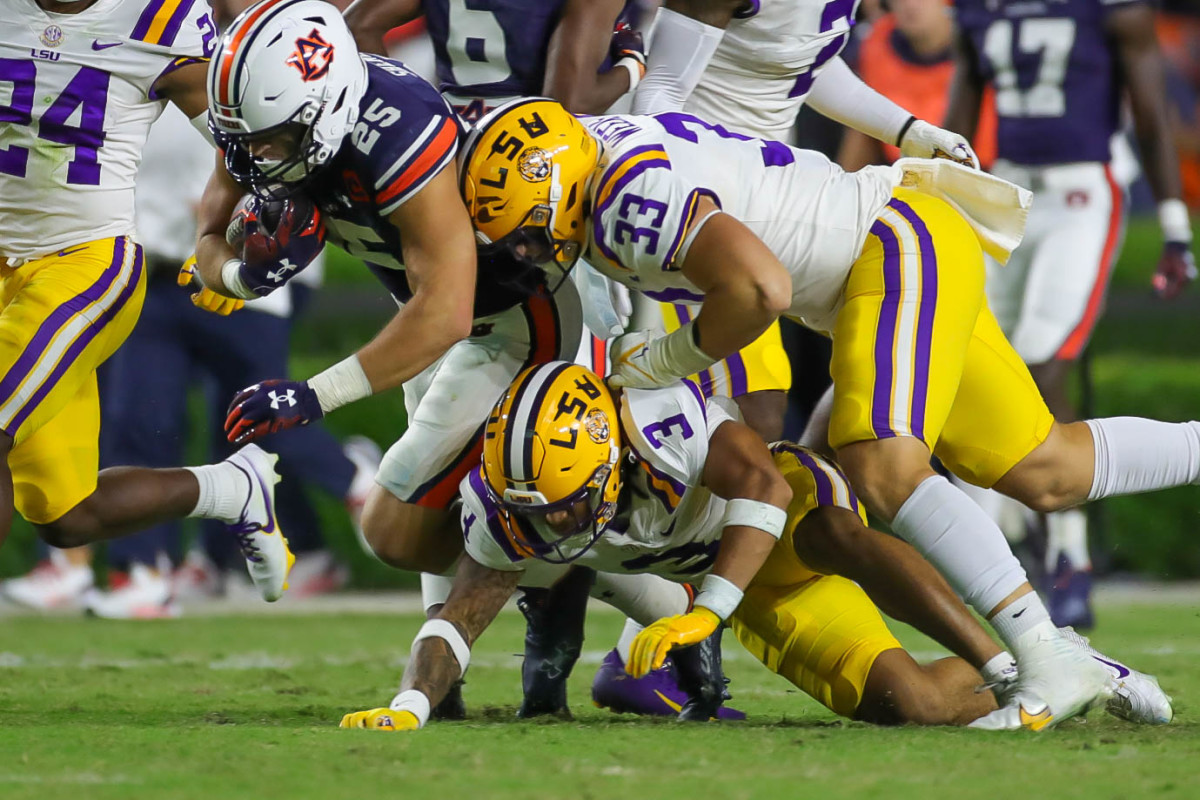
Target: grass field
247 707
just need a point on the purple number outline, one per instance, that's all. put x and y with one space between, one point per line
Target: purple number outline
654 429
774 154
835 10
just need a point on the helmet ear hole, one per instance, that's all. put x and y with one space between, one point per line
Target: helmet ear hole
572 197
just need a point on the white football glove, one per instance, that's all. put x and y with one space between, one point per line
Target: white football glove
923 140
642 361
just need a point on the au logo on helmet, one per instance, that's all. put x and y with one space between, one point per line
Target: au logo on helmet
312 56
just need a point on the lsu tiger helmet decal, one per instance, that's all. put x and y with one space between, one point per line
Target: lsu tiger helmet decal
551 452
525 174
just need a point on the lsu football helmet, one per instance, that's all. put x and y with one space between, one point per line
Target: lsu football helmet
551 452
525 174
284 65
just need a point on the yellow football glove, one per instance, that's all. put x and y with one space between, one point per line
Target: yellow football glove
206 298
381 719
651 646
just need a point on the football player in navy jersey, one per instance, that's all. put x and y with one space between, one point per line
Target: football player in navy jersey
1060 71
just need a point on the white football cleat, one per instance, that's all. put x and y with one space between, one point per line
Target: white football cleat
1056 681
257 531
146 595
1136 696
54 583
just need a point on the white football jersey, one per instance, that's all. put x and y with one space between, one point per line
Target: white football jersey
766 62
76 101
666 522
813 215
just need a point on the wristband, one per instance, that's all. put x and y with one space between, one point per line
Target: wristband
1175 221
414 702
342 383
445 630
719 596
636 70
231 276
677 353
904 130
755 514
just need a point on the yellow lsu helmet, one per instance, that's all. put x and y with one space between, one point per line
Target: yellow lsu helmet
526 169
551 452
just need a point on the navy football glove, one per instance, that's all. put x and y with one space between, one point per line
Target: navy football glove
268 407
277 239
1176 269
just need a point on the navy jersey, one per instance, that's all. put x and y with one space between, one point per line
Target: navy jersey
406 134
1054 70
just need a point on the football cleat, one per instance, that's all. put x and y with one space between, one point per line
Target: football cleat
1069 596
1055 681
145 593
268 558
54 583
655 694
1136 696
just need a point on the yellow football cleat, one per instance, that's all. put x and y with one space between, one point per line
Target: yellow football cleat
381 719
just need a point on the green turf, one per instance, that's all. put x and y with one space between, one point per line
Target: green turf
246 707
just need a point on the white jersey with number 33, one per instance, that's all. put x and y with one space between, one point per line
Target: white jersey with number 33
655 171
76 104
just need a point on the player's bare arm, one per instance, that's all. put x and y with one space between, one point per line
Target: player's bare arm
1141 64
216 207
966 90
185 87
746 288
439 259
370 20
575 53
477 597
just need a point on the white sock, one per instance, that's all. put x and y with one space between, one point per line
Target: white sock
644 598
1140 455
625 641
1008 514
958 538
1000 668
1018 618
1066 534
224 490
434 590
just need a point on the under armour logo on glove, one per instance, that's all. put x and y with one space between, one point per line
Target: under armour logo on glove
268 407
289 398
280 275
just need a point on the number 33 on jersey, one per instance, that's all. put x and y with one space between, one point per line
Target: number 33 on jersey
76 102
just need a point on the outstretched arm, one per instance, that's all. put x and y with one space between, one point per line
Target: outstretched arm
370 20
577 48
686 34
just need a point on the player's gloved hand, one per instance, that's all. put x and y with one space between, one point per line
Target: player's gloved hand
627 43
650 647
206 298
276 238
381 719
268 407
1176 269
923 140
643 360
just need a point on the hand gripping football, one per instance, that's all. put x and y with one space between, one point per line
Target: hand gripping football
277 238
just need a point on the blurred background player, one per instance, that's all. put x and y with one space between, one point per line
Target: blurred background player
73 277
1060 72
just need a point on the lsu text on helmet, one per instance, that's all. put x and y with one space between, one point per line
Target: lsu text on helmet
525 174
284 67
551 453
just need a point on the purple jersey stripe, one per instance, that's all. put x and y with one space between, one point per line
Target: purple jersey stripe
825 493
925 314
146 19
737 375
885 332
673 295
172 29
59 317
692 204
696 394
490 515
82 341
675 485
652 156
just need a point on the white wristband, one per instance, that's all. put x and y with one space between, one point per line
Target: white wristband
718 595
231 276
755 514
635 68
342 383
444 629
1175 221
677 353
414 702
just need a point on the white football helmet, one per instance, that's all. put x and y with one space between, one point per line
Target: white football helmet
284 62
